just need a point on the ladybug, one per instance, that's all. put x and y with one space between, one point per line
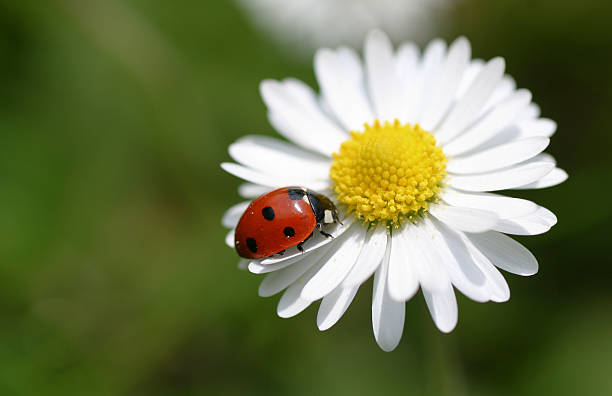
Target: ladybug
281 219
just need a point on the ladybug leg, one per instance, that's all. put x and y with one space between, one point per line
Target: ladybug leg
326 234
282 252
300 246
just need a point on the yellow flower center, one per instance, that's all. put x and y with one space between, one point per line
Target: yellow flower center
388 172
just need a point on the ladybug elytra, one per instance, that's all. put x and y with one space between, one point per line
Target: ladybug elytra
282 219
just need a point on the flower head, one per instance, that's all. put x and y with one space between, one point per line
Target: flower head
409 146
388 172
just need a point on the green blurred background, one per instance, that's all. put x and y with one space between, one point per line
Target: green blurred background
114 278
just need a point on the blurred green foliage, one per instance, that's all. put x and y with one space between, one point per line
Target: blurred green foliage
114 278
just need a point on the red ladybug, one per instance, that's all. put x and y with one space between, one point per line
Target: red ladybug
281 219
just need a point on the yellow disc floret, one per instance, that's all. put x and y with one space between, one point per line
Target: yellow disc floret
388 172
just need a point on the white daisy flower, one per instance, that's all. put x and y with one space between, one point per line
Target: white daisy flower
410 146
310 24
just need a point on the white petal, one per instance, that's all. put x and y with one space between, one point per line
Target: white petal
276 157
534 223
382 78
522 226
433 278
337 265
498 157
305 125
545 157
402 280
505 253
470 105
315 242
442 307
275 181
334 305
387 314
490 124
496 284
302 93
472 71
556 176
370 257
232 215
546 216
504 89
250 190
531 112
447 81
407 70
256 267
504 179
504 207
229 238
542 127
446 246
340 77
431 275
407 58
291 303
433 55
279 280
464 219
262 267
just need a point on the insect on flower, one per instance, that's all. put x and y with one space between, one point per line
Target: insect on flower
281 219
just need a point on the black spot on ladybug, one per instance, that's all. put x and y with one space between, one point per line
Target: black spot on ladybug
268 213
252 245
289 232
296 193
